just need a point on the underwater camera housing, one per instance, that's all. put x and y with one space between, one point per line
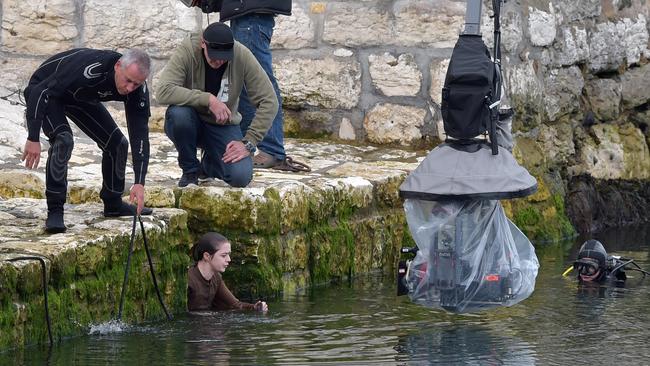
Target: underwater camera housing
453 280
450 273
469 257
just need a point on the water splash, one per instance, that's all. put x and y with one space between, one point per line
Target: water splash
109 327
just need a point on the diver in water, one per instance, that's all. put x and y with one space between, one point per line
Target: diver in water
593 265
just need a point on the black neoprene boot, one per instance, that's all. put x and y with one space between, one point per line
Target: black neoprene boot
54 223
121 208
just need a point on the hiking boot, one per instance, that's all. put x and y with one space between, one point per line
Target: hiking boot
54 223
124 209
188 178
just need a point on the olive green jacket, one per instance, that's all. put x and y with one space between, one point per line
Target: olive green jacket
182 82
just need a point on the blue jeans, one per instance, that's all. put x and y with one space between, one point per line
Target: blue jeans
254 31
186 130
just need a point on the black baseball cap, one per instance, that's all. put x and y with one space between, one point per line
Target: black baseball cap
219 41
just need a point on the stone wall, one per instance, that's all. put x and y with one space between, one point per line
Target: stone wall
371 71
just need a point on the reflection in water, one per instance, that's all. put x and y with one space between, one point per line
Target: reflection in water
462 345
364 322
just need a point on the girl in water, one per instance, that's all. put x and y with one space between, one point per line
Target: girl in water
205 287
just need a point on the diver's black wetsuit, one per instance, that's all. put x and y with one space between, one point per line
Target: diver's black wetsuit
73 84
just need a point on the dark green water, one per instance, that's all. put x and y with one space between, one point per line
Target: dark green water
363 322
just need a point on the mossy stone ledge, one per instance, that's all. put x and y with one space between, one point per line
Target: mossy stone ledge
85 269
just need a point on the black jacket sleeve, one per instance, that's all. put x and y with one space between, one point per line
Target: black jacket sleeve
137 121
231 9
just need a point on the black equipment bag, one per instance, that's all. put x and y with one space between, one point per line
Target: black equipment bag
469 91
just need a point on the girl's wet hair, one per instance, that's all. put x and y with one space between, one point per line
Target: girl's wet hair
210 243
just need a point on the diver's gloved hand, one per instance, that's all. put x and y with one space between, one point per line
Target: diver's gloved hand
124 209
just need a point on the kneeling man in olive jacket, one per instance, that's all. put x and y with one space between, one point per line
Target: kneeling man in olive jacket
201 84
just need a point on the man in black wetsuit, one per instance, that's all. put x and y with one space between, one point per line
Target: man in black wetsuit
73 84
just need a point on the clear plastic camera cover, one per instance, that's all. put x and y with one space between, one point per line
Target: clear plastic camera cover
471 257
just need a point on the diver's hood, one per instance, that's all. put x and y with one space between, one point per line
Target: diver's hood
468 171
593 249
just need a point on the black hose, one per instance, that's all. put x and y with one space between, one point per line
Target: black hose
153 273
44 280
630 261
128 265
126 271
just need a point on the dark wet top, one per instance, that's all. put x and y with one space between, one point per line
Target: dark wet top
210 294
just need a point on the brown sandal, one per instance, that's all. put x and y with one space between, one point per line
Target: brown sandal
265 161
290 165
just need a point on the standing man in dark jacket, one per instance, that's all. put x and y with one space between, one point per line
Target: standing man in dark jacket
252 23
73 84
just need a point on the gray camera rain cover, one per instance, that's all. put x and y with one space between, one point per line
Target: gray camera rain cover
471 257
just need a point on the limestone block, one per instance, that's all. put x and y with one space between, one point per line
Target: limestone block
512 29
613 152
635 35
295 253
294 198
395 76
356 25
156 26
346 130
328 83
572 10
438 70
634 86
335 196
385 180
392 123
38 27
157 119
157 196
637 156
21 183
427 22
542 26
343 52
294 32
605 98
570 47
606 48
12 119
563 88
557 142
522 81
80 192
247 209
15 74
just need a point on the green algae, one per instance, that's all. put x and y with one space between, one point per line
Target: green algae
85 284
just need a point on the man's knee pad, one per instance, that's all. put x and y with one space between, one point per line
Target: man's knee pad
59 154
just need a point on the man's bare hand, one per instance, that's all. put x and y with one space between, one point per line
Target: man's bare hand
32 154
137 195
235 151
219 110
